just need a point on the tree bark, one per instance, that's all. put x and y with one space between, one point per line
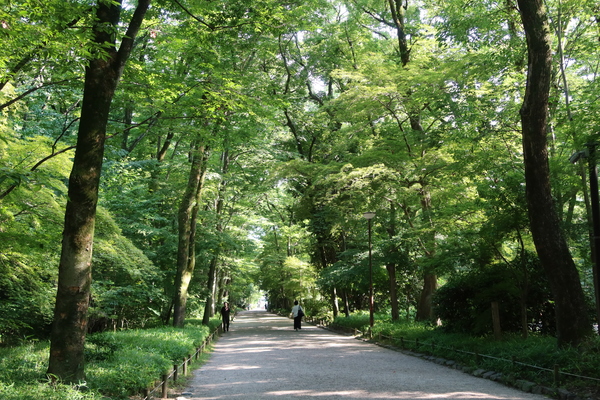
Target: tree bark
209 308
425 305
572 322
391 266
186 254
334 302
69 327
397 10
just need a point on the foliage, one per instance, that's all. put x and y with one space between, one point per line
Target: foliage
119 363
30 219
317 309
537 350
357 320
463 304
125 362
320 119
127 287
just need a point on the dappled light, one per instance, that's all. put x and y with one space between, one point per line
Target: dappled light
422 173
360 394
262 357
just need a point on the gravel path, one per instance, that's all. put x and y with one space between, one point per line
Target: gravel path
262 357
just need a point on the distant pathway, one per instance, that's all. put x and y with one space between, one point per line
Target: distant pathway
262 357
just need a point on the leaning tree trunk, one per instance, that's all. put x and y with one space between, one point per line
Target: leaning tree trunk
572 322
69 327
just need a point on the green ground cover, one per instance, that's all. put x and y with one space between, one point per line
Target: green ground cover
119 364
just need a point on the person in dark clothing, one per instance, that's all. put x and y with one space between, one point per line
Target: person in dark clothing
297 315
225 311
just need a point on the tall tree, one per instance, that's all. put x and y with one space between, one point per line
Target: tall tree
72 300
572 320
187 219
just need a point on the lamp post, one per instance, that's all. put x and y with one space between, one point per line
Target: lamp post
590 154
369 216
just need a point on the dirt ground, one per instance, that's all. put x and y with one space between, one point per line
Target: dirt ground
262 357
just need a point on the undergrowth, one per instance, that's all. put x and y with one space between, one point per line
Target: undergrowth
118 364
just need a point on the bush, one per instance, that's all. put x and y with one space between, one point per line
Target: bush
464 303
316 308
538 350
358 320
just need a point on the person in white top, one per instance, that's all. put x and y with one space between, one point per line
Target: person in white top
297 318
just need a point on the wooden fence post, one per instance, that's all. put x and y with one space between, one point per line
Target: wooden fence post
175 373
556 375
165 378
184 366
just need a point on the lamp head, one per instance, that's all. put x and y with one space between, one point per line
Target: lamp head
369 215
577 156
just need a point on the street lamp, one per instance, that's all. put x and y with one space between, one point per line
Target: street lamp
369 216
590 154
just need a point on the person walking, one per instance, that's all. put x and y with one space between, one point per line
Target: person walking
225 311
297 313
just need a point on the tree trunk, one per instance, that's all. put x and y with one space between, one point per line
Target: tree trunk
209 307
186 255
425 305
69 327
397 9
346 303
572 322
334 303
391 266
391 269
70 318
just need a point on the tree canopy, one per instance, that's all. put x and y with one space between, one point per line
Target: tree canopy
185 153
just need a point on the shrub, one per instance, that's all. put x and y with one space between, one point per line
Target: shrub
358 320
464 302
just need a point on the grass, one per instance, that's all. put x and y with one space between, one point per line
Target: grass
513 356
118 364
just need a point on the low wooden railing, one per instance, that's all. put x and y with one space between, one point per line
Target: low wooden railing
163 383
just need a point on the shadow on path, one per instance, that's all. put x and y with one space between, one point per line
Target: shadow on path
262 357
